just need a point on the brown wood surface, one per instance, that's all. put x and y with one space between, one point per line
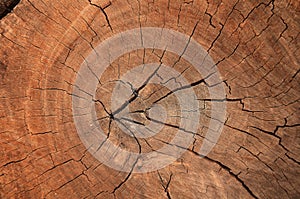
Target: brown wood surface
255 45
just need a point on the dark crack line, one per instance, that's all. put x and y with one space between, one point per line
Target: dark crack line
293 159
184 87
173 78
108 134
102 104
240 130
166 187
87 64
136 139
226 168
275 131
136 91
103 12
127 177
132 121
256 156
140 24
251 11
65 184
187 44
173 126
223 25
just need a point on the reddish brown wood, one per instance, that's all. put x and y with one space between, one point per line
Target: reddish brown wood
256 47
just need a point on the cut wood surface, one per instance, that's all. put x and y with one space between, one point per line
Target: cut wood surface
255 47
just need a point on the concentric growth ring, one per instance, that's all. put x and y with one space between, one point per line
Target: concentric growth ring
97 62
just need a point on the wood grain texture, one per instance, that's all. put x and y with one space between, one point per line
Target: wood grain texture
255 45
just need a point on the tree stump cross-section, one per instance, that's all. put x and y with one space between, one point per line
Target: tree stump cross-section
149 99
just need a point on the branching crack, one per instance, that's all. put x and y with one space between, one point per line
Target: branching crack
103 12
166 187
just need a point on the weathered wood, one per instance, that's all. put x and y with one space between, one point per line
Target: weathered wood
255 45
